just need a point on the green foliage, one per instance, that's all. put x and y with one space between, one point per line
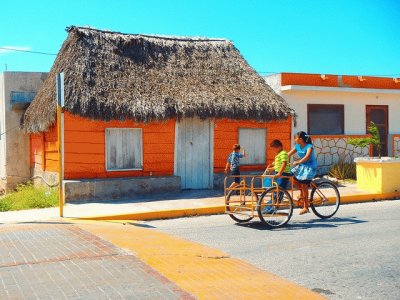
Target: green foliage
374 139
27 196
343 170
4 205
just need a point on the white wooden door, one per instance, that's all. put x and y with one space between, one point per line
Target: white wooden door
194 153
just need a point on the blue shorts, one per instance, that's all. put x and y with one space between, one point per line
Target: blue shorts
236 172
283 182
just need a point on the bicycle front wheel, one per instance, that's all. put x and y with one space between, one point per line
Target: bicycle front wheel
324 199
275 208
239 205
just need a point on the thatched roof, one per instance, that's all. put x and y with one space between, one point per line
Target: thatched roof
110 75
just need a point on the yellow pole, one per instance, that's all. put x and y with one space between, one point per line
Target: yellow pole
61 196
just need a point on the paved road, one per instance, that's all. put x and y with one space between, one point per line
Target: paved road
355 255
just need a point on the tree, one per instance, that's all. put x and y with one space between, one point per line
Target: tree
374 139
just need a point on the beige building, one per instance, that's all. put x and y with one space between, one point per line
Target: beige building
17 90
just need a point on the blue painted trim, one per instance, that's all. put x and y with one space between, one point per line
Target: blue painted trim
22 97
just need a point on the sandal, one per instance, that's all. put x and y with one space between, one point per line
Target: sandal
304 211
299 201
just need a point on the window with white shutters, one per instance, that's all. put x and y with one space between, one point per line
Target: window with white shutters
123 149
254 141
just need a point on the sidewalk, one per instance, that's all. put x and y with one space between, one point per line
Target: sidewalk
173 205
57 260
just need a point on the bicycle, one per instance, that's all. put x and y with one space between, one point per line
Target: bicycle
274 205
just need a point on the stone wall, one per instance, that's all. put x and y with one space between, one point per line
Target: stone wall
330 149
396 145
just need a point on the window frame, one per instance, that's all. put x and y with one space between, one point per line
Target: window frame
311 107
106 152
265 143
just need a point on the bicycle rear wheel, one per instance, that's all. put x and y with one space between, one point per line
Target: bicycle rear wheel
238 205
275 208
324 199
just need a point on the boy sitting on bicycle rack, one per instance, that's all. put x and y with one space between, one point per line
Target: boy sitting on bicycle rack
280 167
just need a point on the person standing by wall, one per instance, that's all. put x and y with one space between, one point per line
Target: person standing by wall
234 163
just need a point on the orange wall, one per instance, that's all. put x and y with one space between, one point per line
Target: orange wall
332 81
37 149
226 134
84 148
51 149
45 143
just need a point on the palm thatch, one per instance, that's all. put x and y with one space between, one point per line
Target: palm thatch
110 75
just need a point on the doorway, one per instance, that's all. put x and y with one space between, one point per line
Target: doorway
379 115
194 153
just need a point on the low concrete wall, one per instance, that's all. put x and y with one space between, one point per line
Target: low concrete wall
378 175
45 178
117 188
13 181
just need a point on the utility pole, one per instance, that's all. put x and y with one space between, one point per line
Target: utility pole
60 129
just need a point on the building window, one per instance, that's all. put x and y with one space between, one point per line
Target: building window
123 149
254 141
325 119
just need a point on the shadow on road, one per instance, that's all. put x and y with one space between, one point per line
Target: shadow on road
140 225
42 222
316 223
325 223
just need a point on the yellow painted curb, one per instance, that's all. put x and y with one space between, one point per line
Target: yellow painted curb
162 214
204 272
219 209
359 198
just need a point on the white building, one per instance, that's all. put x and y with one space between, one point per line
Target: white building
334 107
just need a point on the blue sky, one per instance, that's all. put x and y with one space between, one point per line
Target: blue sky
355 37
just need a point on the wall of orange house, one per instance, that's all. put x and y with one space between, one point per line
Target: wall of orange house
36 151
44 150
51 149
226 134
84 148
